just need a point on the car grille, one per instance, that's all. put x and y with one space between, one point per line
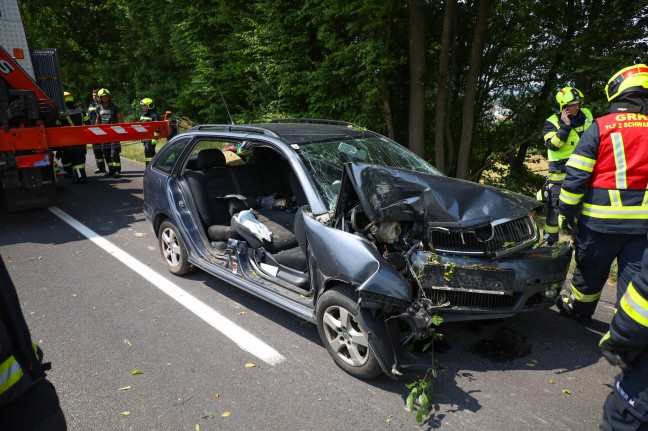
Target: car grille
486 240
474 299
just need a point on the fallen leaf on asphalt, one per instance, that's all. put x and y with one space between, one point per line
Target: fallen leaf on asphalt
566 391
124 388
125 413
225 414
197 427
553 382
532 363
135 372
250 365
127 342
216 395
389 419
243 312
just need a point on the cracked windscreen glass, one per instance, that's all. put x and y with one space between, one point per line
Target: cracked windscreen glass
324 161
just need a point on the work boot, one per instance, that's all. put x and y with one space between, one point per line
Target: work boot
80 176
566 310
116 174
111 172
101 168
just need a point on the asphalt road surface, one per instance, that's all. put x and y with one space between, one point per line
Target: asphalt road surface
135 348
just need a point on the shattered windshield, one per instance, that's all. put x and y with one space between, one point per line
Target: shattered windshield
324 160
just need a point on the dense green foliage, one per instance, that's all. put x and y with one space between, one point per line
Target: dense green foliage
345 60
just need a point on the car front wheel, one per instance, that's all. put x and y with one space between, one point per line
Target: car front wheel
173 249
341 329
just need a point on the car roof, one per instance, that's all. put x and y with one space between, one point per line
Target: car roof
298 131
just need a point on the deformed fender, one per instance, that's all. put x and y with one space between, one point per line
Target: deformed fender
350 259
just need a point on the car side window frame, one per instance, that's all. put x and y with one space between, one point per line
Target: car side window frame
169 155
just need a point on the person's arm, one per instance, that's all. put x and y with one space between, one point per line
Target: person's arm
579 171
555 137
628 334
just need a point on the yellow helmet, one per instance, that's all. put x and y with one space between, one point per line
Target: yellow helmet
148 102
103 92
569 96
67 97
630 79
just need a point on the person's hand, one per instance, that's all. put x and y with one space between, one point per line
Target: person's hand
617 354
565 117
569 225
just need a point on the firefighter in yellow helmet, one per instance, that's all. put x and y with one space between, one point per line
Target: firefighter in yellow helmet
108 113
148 114
606 189
561 133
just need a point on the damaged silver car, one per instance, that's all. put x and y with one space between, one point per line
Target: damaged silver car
350 230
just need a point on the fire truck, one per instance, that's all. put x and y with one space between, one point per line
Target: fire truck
31 110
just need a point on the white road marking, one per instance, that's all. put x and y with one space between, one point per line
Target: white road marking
238 335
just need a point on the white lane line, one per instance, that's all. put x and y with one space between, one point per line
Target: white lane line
238 335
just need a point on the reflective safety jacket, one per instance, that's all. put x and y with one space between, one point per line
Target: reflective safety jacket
20 359
561 139
608 173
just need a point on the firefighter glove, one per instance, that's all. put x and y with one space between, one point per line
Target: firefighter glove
617 354
551 238
569 225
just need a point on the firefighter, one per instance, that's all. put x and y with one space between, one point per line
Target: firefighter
561 133
28 401
96 148
76 155
626 345
608 174
148 114
108 113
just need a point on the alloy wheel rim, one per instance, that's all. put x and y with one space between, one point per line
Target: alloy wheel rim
345 337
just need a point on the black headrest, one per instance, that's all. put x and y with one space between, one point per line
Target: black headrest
263 154
210 158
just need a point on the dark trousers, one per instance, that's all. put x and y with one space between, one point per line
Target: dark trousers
38 409
99 158
595 253
111 153
78 159
551 223
626 408
149 150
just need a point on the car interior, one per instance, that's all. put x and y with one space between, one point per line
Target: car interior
266 185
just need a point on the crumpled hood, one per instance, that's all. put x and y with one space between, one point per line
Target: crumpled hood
392 194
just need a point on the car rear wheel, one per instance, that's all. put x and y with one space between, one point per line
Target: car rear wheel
174 250
341 329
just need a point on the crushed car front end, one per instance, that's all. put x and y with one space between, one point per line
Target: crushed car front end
465 251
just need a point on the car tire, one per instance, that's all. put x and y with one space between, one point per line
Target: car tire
174 250
343 333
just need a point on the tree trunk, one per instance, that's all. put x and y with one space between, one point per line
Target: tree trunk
417 72
442 86
468 117
389 121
